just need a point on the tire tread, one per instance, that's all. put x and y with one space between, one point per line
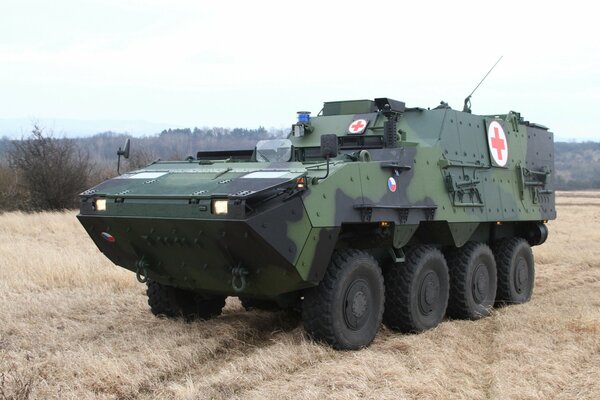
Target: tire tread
504 251
317 307
458 260
398 314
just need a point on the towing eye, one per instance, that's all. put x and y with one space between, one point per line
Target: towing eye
238 280
141 272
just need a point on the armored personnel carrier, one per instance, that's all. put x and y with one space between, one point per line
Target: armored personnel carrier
369 212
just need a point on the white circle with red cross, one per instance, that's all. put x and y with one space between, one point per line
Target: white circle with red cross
497 143
357 126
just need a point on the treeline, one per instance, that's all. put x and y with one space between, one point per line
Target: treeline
174 144
577 165
45 172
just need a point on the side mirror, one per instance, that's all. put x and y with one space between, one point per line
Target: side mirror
329 146
125 151
122 152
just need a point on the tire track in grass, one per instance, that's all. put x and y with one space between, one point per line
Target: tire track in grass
219 382
287 353
250 332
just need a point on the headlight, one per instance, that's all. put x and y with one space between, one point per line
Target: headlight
219 207
100 204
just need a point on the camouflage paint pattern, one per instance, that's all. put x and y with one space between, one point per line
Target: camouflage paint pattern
438 184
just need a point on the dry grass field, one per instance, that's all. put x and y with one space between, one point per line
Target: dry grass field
73 326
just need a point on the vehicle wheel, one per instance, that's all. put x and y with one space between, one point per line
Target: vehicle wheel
250 304
203 306
163 300
174 302
516 271
416 291
345 310
472 270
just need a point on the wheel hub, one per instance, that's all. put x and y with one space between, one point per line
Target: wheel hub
429 293
481 283
521 275
356 304
359 304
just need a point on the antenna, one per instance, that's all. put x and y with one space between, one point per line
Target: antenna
467 106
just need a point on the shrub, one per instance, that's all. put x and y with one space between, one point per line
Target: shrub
53 171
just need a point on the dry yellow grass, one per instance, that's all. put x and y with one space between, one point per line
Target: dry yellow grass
74 326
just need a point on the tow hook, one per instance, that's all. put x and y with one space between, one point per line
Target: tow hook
238 280
141 272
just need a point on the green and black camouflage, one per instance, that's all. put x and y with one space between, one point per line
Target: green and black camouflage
400 177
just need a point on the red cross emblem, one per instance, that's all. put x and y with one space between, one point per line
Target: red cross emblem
497 143
357 126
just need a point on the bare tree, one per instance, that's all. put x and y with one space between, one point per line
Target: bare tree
140 157
52 170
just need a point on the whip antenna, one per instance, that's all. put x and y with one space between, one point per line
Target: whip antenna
467 106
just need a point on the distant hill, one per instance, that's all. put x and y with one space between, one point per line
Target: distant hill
173 144
577 164
15 128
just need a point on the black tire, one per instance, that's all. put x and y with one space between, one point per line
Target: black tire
250 304
472 270
345 310
516 271
416 291
163 300
173 302
203 306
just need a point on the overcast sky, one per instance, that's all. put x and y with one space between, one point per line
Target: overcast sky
251 63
